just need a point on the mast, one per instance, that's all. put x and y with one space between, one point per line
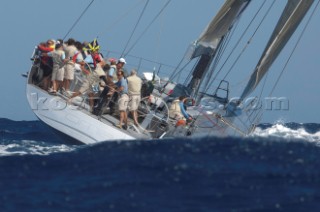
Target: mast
289 21
211 38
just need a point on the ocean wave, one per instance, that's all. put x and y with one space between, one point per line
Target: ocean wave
30 147
307 132
34 138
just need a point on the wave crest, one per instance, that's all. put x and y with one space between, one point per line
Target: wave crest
307 132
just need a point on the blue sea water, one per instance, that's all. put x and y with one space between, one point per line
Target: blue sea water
276 169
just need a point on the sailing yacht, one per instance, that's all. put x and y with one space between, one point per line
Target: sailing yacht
216 113
213 111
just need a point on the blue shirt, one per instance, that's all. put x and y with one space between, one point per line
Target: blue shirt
111 71
79 57
183 111
123 83
89 59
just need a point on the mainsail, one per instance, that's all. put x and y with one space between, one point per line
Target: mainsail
289 21
209 40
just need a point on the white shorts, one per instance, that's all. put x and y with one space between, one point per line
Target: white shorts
123 102
69 71
134 102
57 73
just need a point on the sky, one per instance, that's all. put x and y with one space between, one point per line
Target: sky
26 23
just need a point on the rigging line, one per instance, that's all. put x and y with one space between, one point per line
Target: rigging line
135 27
173 75
232 126
148 60
219 57
255 115
238 42
226 41
158 42
249 41
76 22
179 72
123 16
241 121
241 37
190 73
295 47
223 43
154 19
216 61
263 86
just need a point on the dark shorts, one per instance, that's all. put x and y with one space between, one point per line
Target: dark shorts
47 69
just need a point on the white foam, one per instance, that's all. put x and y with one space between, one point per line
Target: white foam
281 131
27 147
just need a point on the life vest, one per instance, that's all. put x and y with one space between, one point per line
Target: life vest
96 59
74 58
181 122
45 59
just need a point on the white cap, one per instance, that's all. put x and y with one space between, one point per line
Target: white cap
122 60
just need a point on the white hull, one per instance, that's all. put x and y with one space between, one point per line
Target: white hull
79 124
210 118
71 120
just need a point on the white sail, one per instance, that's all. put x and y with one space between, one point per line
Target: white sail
219 27
211 37
290 19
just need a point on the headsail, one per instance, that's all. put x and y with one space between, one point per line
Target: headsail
289 21
209 40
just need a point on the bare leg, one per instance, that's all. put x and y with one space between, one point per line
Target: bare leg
91 100
46 83
135 117
66 84
59 85
125 118
54 85
121 118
